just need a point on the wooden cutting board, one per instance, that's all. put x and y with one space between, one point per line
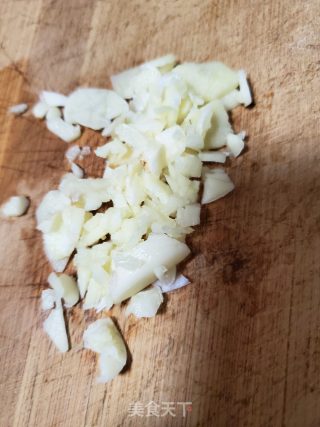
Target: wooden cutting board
242 343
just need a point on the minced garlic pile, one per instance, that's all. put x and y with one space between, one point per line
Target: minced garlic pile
162 121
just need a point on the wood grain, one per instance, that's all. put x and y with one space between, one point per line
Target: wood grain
243 341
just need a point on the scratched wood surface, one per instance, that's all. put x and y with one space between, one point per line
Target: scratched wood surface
242 343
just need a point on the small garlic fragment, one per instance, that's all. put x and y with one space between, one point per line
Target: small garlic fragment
93 107
53 99
72 153
235 143
189 215
63 130
53 113
231 100
77 170
18 109
245 93
145 303
40 110
216 185
212 156
65 288
55 327
15 206
158 249
48 299
103 337
178 283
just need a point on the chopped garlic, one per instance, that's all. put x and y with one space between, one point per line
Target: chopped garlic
72 153
162 121
167 61
188 165
60 264
216 136
65 288
111 364
40 110
53 113
93 107
48 299
160 271
145 303
189 215
156 250
18 109
55 327
53 99
63 130
178 283
98 293
60 242
103 337
77 170
210 80
15 206
100 225
53 202
216 185
245 93
165 277
91 192
235 143
213 156
231 100
88 261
